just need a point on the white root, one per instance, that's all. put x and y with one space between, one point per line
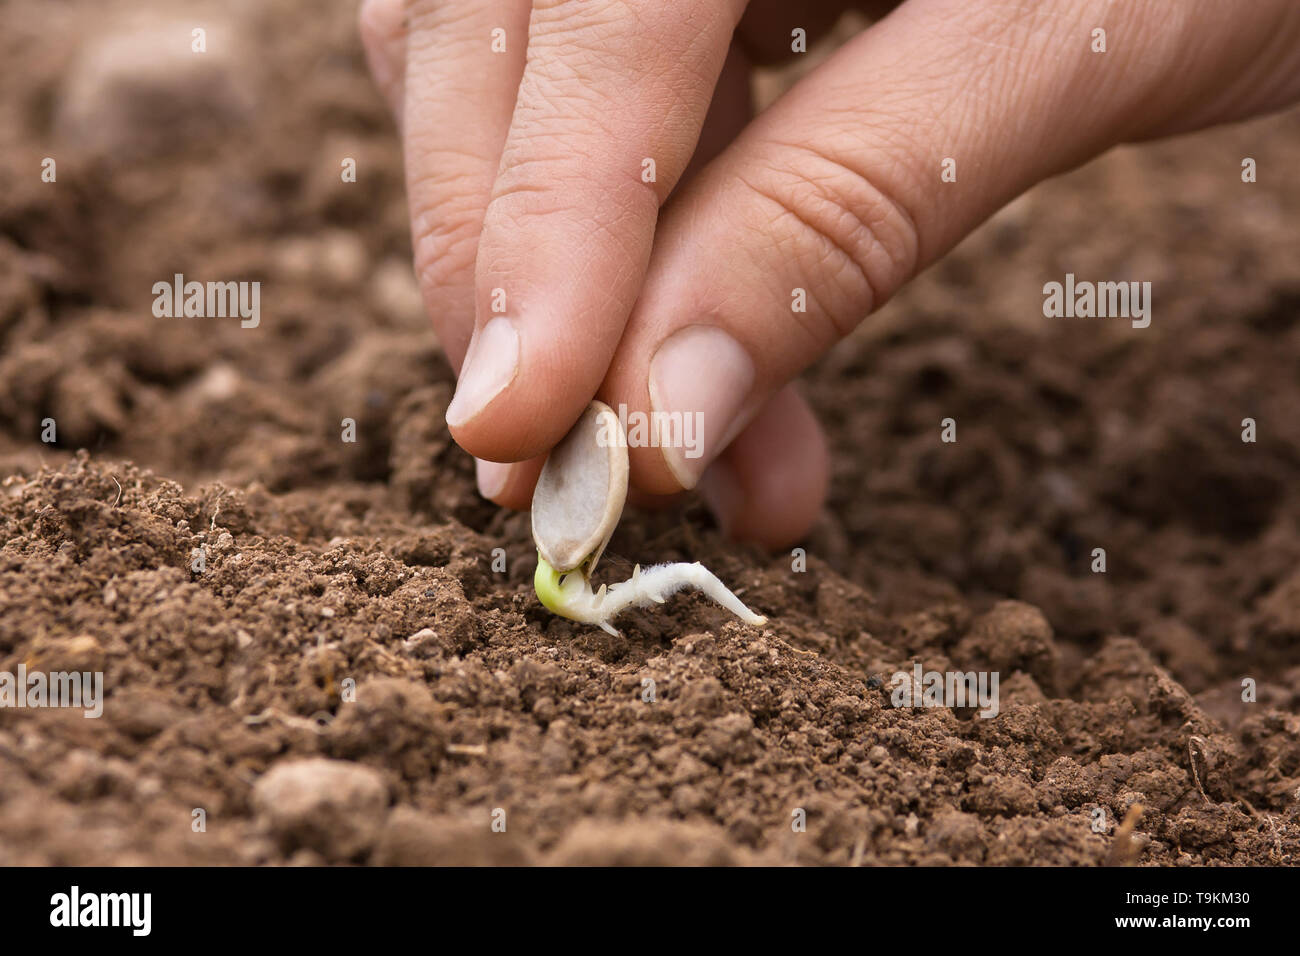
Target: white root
653 585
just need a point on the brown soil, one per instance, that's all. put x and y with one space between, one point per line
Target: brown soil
371 562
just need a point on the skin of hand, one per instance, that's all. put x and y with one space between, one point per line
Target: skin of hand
554 272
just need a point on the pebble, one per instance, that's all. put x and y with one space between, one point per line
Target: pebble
334 807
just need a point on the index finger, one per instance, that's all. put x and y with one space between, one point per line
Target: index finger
609 109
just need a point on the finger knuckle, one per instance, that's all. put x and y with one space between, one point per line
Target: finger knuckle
376 20
445 242
852 239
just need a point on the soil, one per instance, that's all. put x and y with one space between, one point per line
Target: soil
368 570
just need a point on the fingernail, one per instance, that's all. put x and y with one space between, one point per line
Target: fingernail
699 381
723 494
490 365
492 477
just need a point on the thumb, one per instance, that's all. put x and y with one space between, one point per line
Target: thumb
873 166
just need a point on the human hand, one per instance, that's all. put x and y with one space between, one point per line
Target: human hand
525 178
